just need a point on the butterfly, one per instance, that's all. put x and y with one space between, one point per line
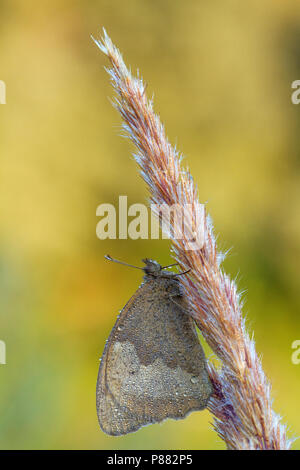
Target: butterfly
153 366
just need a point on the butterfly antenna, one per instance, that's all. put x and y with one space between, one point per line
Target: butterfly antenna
184 272
109 258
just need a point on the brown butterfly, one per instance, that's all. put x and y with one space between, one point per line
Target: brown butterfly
153 366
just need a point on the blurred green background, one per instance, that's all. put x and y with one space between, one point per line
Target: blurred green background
221 72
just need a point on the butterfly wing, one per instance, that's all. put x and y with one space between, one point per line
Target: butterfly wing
153 366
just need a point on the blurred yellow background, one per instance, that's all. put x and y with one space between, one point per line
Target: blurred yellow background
221 72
